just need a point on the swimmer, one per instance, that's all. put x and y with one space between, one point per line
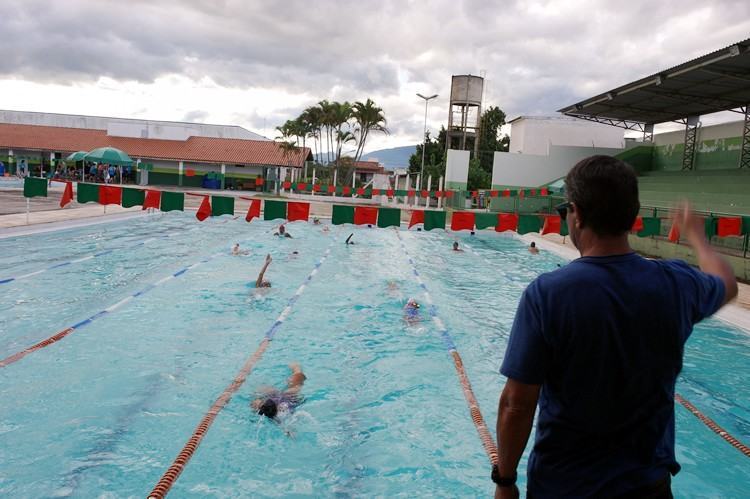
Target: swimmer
533 249
316 221
456 248
325 228
260 282
348 239
272 403
411 312
236 251
282 232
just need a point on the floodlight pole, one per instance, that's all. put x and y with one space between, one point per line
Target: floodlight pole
424 134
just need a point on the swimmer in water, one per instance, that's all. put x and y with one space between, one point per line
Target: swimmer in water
282 232
273 403
455 247
260 282
316 221
411 312
348 239
236 251
533 249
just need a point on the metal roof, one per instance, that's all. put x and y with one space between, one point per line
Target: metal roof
718 81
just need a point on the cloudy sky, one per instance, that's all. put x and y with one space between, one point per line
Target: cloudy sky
256 64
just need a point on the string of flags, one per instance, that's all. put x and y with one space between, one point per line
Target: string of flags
291 211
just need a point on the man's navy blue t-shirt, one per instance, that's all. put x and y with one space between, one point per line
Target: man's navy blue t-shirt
604 337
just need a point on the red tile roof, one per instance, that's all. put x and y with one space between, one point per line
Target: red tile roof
368 166
196 149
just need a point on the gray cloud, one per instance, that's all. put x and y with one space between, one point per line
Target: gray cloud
538 57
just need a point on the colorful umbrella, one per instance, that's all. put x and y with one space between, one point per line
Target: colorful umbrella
109 155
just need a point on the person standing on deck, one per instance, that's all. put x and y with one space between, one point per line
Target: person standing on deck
598 344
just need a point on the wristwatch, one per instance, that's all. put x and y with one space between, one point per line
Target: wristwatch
503 481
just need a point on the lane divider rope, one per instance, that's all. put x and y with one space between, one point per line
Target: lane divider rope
87 257
165 483
713 425
488 442
65 332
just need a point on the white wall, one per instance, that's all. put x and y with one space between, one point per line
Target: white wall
535 134
713 132
531 170
457 166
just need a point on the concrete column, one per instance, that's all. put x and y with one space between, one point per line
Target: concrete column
417 184
440 188
180 168
223 172
335 175
429 188
312 192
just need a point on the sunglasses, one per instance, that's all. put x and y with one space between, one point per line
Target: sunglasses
562 209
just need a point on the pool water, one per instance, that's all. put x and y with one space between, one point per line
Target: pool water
104 411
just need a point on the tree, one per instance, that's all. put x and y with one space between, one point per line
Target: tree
434 157
368 118
490 140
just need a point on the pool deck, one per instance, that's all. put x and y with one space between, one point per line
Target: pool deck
46 215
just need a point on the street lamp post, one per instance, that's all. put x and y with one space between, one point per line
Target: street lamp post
424 134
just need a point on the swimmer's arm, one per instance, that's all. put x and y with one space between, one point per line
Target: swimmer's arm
259 281
515 416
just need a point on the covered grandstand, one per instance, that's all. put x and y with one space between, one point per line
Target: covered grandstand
710 166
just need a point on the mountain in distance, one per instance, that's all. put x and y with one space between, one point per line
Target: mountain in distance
396 157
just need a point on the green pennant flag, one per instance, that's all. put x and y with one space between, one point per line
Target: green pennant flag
132 197
400 193
273 210
564 228
172 201
87 193
529 223
513 193
339 190
434 219
745 225
368 192
711 225
388 217
33 187
222 205
485 220
342 215
651 227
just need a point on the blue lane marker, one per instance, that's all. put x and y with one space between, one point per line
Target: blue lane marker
3 281
63 264
180 272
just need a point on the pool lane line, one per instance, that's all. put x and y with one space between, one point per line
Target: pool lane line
516 283
710 423
65 332
488 442
165 483
88 257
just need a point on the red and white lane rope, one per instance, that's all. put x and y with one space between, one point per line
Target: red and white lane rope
713 425
165 483
65 332
488 442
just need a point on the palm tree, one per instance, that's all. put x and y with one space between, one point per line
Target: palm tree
341 113
368 117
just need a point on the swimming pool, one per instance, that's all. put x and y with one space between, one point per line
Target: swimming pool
105 410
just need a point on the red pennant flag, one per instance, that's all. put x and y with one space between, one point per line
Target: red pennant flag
729 226
507 221
637 225
254 210
258 181
417 217
376 192
316 187
545 192
286 185
449 194
297 211
67 196
674 233
109 194
410 193
462 220
389 193
533 192
493 194
439 194
301 186
331 189
152 199
205 209
506 193
360 191
475 194
364 215
552 224
424 193
346 190
190 172
521 194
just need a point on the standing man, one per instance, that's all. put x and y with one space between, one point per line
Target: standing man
598 344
